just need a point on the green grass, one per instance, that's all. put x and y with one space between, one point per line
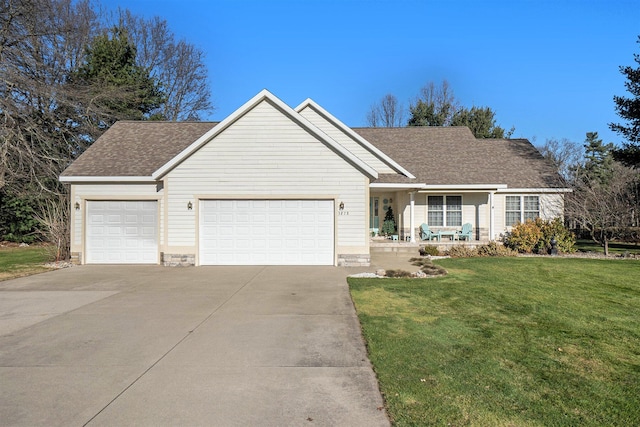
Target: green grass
17 262
507 342
615 248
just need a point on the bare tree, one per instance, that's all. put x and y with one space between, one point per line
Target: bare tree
48 116
435 106
565 155
387 113
605 209
177 65
41 41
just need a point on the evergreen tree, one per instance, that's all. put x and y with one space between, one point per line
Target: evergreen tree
481 121
598 164
389 224
434 107
628 108
437 106
120 88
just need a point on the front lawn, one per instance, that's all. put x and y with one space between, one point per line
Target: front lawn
16 261
507 342
615 248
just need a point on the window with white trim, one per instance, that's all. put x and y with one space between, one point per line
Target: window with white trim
444 211
521 208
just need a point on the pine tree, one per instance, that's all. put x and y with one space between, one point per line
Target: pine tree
122 89
628 108
598 165
389 224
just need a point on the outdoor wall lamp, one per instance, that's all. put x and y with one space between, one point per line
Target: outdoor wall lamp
77 206
341 206
189 206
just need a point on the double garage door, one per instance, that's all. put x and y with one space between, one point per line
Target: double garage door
266 232
232 232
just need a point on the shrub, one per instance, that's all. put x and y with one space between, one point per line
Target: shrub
397 273
17 222
535 236
494 249
429 250
428 267
460 251
564 238
525 236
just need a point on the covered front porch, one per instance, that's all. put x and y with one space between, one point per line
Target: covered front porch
446 209
383 244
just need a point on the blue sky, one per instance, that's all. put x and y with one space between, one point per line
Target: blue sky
549 68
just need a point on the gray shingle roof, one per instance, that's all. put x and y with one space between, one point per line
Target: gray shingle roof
453 156
435 155
131 148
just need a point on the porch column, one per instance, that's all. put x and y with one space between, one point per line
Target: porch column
412 205
492 216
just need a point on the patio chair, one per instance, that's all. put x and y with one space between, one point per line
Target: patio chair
466 231
426 233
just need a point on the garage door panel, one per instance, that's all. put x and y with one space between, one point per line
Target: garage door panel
295 232
122 232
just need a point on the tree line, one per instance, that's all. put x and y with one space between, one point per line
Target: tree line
605 179
436 106
68 71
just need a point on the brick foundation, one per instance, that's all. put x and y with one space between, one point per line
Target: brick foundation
354 260
76 258
177 260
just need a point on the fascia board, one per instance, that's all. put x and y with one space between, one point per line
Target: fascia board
353 135
536 190
80 179
391 185
462 187
246 107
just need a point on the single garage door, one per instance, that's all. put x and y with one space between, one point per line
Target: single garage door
266 232
122 232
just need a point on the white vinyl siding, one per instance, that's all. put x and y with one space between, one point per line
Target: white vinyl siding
345 140
265 155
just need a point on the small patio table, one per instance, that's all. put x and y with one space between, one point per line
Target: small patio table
447 233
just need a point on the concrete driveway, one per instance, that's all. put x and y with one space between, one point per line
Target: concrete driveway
149 345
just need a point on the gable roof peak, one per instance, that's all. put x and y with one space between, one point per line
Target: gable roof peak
265 96
309 103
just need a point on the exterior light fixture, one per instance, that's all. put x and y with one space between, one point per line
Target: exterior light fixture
189 206
341 206
77 205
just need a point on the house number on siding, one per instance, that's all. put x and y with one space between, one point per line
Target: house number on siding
343 212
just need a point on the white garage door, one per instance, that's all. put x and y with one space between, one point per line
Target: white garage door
266 232
122 232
